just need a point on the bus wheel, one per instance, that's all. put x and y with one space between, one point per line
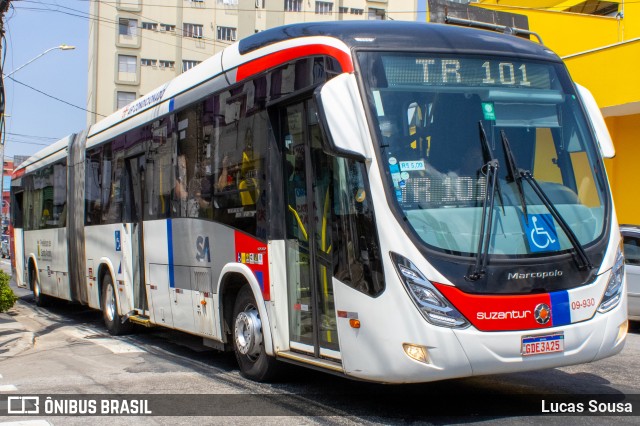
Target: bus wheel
40 299
248 343
112 320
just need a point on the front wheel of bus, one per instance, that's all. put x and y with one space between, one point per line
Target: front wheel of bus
112 320
248 343
41 299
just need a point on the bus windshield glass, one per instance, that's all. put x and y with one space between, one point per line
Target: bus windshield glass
441 119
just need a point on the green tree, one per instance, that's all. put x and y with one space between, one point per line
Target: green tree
7 298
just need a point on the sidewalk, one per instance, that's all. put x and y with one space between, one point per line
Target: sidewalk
14 337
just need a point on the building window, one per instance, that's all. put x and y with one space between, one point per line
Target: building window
226 33
150 26
167 64
124 98
127 27
167 27
148 62
343 10
192 30
324 8
127 69
127 64
293 5
376 14
187 65
228 2
355 11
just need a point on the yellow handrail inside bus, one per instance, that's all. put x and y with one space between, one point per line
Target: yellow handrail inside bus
325 282
295 214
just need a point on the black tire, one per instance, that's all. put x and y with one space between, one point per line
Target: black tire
259 366
41 300
109 304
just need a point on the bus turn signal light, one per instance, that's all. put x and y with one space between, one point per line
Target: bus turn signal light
354 323
622 331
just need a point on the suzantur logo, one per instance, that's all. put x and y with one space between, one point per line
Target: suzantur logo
527 275
502 315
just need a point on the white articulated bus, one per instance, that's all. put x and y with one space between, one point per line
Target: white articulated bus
391 201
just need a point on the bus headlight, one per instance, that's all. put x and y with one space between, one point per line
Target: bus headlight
433 306
613 292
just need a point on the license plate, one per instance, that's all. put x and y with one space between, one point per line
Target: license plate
538 345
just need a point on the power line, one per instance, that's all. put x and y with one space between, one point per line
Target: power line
99 19
53 97
31 136
14 141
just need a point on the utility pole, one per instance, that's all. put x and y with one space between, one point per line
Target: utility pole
4 7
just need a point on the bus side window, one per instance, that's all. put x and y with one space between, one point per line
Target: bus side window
240 151
357 260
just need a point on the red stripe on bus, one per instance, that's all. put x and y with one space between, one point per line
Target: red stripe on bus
500 312
254 254
283 56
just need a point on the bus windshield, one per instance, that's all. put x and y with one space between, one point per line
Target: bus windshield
441 118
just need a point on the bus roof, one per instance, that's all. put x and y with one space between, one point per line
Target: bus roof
51 152
401 35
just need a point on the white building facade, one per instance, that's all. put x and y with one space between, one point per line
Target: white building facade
137 45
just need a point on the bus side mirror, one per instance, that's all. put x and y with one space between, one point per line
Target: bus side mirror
597 120
342 118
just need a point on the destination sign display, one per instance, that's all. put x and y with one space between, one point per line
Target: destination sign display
420 70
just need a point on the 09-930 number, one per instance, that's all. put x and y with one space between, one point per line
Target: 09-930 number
582 304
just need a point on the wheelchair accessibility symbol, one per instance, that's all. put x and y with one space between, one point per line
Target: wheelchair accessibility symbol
541 233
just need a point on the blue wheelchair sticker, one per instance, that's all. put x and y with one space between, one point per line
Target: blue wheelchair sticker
541 233
118 246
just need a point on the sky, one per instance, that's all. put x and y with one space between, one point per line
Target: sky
34 120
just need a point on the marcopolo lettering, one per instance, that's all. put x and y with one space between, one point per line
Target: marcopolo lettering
527 275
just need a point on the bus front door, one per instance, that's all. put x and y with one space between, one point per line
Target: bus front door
133 215
308 198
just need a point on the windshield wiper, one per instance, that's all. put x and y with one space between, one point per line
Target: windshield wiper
490 170
513 174
518 175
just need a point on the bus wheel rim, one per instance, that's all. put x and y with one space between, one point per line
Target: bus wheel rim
247 333
110 304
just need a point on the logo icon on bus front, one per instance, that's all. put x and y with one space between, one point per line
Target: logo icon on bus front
542 313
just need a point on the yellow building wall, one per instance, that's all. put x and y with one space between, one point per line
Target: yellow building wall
623 170
543 13
610 74
567 33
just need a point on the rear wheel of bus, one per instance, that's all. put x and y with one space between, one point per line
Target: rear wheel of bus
248 340
112 320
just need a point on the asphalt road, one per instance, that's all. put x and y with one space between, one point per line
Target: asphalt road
65 349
